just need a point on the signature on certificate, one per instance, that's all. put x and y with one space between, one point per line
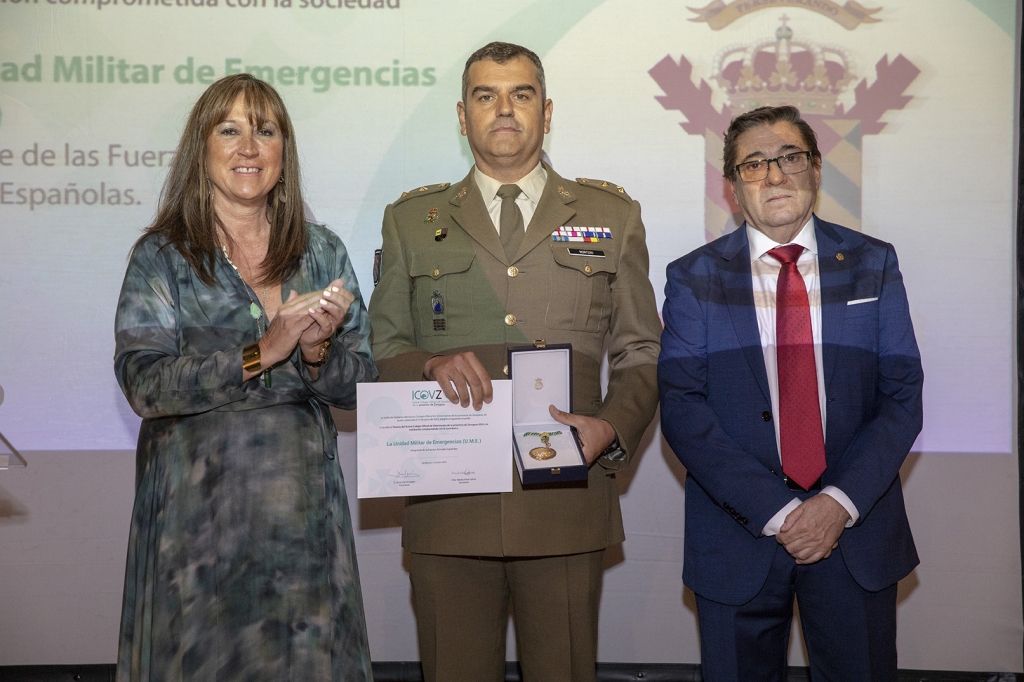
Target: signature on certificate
405 474
467 472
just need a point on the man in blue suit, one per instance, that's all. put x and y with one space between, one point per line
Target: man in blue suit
790 387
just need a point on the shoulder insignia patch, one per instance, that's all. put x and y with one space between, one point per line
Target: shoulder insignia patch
422 191
609 187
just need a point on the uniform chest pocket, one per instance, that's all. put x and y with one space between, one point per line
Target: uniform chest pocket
443 292
580 288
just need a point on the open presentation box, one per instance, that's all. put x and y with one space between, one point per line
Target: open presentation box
546 451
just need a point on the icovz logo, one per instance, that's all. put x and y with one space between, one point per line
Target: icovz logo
423 394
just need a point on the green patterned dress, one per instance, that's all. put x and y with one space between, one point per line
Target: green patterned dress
241 561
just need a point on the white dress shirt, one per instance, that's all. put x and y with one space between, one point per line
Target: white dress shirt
764 270
532 186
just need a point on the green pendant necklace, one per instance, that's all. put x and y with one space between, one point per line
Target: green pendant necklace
254 310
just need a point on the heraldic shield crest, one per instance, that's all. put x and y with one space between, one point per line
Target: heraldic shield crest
787 69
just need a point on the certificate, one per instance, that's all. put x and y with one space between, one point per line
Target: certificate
412 441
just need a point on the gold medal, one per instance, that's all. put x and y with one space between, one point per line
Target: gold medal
542 453
545 452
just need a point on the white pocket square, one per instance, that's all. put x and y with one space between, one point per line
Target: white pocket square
862 300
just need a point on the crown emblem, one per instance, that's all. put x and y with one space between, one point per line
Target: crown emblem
806 75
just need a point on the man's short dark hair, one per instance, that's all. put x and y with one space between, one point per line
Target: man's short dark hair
766 116
503 53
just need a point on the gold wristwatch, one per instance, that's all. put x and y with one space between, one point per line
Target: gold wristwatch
322 358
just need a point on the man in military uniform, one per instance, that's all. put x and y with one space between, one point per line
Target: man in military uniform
469 270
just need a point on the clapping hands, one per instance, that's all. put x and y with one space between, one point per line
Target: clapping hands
305 320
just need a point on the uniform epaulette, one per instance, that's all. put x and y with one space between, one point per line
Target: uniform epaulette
422 191
610 187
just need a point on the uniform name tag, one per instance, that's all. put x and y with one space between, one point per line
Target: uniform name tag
586 252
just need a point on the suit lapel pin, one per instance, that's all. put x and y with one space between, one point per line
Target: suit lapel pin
840 257
440 234
431 216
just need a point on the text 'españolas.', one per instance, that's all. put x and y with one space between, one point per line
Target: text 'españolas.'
67 156
106 71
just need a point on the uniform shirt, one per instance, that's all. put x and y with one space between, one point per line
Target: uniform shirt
764 270
532 185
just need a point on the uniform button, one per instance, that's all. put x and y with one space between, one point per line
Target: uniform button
510 320
766 416
743 520
587 269
513 271
504 370
436 272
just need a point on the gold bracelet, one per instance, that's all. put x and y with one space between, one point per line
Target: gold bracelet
251 358
322 358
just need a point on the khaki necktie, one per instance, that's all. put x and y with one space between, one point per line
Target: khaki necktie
511 221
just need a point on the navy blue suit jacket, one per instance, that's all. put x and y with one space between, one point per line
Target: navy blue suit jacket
715 407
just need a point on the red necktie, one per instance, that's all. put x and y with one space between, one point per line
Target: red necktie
803 446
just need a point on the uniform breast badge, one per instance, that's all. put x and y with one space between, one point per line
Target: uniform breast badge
545 452
437 307
538 384
440 234
431 216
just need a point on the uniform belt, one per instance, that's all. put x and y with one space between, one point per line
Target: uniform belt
793 485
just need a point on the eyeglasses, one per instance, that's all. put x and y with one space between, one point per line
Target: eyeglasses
789 164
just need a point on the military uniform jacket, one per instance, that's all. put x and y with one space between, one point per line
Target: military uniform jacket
439 245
